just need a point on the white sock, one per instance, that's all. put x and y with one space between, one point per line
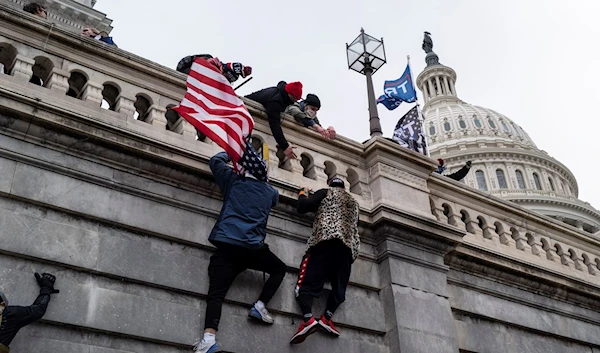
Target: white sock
259 305
209 337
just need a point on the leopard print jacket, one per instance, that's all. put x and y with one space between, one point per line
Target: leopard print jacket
337 218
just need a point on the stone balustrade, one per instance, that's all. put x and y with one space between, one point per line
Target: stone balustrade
505 228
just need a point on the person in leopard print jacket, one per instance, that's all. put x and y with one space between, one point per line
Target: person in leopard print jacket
332 248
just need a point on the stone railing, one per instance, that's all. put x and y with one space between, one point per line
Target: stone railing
143 99
504 228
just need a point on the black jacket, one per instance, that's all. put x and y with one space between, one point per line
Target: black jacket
275 100
461 173
16 317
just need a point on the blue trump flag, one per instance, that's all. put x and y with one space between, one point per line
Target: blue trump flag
389 102
398 91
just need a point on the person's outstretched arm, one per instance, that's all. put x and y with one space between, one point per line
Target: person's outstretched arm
222 173
274 116
461 173
25 315
310 203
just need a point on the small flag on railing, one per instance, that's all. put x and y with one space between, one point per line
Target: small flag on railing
409 132
398 91
213 108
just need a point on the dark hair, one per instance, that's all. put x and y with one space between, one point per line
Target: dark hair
32 7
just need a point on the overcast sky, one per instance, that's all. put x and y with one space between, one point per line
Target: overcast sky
533 61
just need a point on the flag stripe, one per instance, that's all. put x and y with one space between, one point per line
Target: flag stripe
212 107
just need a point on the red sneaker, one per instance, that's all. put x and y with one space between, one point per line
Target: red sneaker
328 326
305 329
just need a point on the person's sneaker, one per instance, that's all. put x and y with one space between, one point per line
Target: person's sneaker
260 314
328 326
202 346
306 328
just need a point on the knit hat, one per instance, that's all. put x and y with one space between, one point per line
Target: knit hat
312 99
336 182
294 89
3 299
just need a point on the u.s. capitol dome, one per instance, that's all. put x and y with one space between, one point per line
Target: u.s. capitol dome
506 161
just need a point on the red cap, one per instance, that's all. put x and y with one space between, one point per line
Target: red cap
441 161
294 89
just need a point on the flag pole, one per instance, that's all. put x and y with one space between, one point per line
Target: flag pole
243 83
423 127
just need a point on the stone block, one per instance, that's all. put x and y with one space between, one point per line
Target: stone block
62 191
31 337
414 275
7 170
478 335
517 313
48 240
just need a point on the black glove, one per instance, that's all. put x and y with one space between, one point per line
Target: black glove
46 283
468 164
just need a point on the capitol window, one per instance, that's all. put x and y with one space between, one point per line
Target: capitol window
520 179
551 184
431 130
477 122
491 122
462 124
536 181
505 127
516 130
501 179
447 126
481 183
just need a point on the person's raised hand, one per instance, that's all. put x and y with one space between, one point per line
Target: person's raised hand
46 282
289 152
332 133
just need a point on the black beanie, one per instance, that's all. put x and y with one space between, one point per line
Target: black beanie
336 182
312 99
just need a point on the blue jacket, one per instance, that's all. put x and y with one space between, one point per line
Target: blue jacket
246 206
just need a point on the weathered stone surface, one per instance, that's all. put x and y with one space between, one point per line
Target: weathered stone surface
423 320
7 170
477 335
519 313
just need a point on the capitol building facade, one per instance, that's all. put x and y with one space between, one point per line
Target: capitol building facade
506 161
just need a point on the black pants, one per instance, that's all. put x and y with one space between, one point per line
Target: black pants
328 260
229 261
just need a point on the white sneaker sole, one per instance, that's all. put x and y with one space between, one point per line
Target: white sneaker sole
328 329
301 336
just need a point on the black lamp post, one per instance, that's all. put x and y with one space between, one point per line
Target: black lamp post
366 55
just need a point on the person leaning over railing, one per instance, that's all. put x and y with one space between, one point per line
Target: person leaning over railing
275 100
458 175
305 112
36 9
98 35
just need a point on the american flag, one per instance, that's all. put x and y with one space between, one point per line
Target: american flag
212 106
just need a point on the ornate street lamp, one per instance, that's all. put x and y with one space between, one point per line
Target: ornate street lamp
366 55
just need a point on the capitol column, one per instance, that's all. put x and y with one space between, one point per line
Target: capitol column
448 93
439 86
452 87
432 93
